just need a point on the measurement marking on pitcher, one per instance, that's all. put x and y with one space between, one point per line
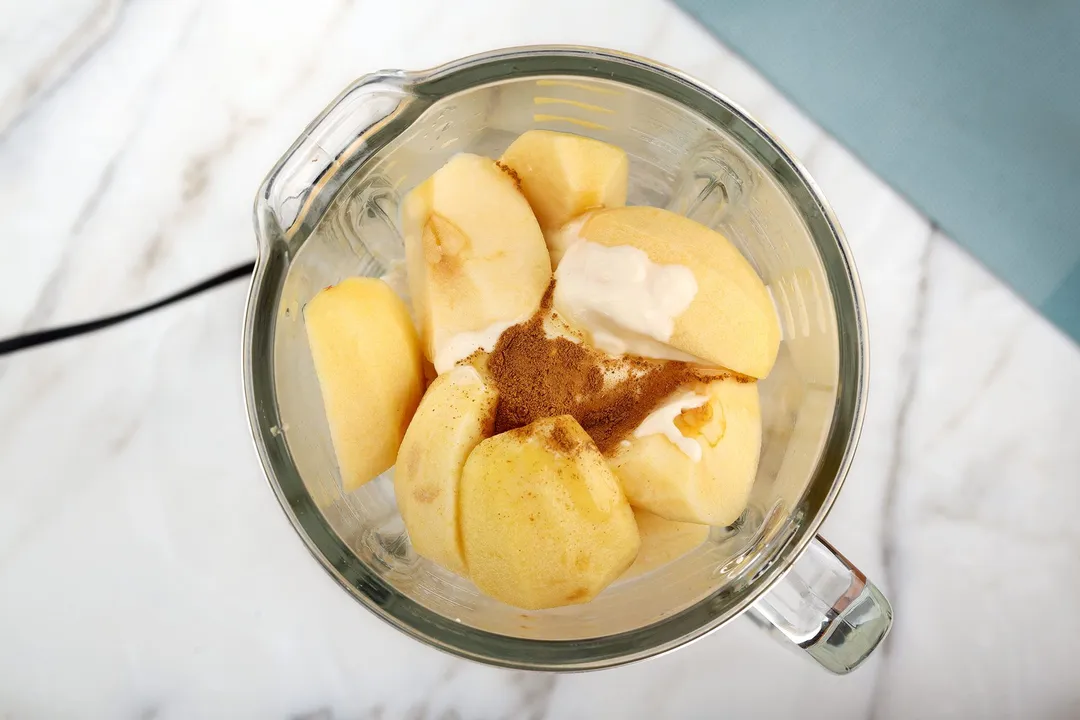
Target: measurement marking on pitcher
574 103
540 117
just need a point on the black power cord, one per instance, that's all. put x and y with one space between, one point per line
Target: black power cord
41 337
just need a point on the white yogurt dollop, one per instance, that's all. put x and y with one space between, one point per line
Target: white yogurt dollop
462 345
661 421
625 301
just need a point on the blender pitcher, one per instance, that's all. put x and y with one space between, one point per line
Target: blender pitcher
329 210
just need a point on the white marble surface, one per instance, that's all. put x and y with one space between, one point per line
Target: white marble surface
145 569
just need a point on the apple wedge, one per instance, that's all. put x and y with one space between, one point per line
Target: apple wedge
368 362
456 413
563 175
691 289
701 470
476 258
543 520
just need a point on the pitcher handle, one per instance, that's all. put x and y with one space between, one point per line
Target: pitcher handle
330 147
827 607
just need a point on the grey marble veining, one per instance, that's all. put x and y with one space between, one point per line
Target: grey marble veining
43 42
145 568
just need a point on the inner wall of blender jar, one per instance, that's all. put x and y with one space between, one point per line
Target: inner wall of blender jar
678 161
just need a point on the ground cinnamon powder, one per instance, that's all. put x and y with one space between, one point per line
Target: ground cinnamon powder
539 376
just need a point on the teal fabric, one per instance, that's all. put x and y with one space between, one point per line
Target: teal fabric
971 108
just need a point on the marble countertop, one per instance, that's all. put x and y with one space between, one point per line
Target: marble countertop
145 568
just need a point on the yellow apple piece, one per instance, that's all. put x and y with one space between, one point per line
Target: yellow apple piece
722 313
563 175
368 362
663 541
544 522
456 413
707 480
476 258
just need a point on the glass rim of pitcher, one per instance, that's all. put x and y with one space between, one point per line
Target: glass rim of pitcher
670 632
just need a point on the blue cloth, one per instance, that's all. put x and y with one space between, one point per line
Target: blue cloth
971 108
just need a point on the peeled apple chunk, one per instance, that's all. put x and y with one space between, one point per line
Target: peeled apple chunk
456 413
730 320
662 541
563 175
543 520
368 362
475 255
658 476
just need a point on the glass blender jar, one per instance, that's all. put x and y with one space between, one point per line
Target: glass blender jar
329 210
